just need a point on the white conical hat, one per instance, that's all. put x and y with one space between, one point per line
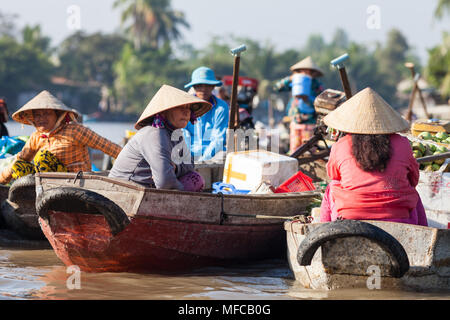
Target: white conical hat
366 113
44 100
307 63
169 97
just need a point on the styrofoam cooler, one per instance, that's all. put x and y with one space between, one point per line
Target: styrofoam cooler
247 169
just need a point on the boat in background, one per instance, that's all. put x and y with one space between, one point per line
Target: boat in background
108 225
18 209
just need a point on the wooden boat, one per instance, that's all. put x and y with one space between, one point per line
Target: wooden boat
103 224
18 211
352 254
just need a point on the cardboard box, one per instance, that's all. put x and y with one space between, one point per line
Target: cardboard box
430 126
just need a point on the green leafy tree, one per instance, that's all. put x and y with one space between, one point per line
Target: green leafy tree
151 22
140 73
90 58
33 37
438 68
392 56
22 68
442 8
7 25
25 64
87 61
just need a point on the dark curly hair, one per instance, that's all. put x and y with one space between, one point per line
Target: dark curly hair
372 152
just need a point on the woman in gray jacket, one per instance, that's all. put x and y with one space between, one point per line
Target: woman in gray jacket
157 156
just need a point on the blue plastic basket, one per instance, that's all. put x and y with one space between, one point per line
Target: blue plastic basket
227 188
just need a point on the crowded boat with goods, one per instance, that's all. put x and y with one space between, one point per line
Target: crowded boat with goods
360 192
375 219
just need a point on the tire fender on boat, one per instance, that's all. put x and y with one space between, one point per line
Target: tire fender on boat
353 228
23 189
79 200
11 215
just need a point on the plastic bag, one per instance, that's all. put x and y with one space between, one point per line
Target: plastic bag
11 145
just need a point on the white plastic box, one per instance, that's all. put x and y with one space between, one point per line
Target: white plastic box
247 169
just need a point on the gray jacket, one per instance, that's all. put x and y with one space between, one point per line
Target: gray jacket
152 159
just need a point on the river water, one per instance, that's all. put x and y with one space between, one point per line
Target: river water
39 274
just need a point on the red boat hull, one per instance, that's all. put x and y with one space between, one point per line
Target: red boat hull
156 245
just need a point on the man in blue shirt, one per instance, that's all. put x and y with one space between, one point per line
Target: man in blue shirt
208 135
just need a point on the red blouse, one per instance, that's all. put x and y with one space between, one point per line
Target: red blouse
362 195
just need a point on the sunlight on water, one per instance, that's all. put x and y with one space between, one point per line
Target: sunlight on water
38 274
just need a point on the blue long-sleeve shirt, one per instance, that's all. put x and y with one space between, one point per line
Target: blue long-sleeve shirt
208 135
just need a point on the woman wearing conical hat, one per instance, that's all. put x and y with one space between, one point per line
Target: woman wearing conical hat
305 86
372 168
208 135
157 155
59 142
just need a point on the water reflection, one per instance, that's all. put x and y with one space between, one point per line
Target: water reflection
38 274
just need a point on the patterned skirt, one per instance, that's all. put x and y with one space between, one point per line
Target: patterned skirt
44 161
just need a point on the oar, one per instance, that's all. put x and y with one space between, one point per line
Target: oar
339 64
233 123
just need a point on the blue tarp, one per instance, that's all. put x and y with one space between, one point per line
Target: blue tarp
11 145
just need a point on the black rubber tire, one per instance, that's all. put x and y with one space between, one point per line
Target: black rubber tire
79 200
12 221
11 239
23 190
353 228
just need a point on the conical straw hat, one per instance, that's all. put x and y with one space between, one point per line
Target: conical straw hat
169 97
44 100
307 63
366 113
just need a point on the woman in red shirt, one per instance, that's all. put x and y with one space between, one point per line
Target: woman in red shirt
373 171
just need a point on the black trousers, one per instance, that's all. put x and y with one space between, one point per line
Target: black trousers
3 130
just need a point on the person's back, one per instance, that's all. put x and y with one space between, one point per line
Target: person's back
371 190
137 160
372 169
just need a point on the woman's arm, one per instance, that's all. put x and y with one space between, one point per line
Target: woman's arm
218 133
27 153
332 166
283 84
413 170
157 151
93 140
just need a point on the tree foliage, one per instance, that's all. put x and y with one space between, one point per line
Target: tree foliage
132 67
442 8
24 65
151 22
140 73
90 58
438 68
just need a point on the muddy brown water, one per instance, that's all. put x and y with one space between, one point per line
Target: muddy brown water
39 274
